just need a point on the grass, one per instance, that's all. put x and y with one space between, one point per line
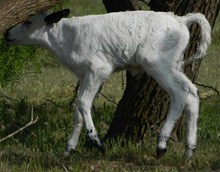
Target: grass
40 147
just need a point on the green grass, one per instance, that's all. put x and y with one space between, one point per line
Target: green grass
40 147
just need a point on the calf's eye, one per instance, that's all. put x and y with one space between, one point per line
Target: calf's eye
27 22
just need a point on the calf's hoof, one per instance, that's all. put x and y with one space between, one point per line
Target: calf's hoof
98 144
68 152
161 152
102 149
188 154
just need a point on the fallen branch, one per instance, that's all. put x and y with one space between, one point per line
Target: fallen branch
145 1
3 96
54 103
210 87
108 99
33 121
73 99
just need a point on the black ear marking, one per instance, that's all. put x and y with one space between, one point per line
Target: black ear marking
56 16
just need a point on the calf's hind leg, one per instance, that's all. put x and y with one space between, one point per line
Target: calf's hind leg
178 87
183 95
191 111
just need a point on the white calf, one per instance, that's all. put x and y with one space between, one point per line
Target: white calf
94 46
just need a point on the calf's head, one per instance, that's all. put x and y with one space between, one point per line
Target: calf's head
31 30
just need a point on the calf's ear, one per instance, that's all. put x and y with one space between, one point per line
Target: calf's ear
56 16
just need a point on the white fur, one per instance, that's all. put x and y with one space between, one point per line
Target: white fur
94 46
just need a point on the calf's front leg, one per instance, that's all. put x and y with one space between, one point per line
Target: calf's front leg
88 89
74 138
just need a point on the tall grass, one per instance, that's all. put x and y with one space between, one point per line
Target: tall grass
40 147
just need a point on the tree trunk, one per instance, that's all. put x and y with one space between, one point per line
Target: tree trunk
15 11
142 109
120 5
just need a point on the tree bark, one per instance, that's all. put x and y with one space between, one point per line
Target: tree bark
15 11
143 107
120 5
